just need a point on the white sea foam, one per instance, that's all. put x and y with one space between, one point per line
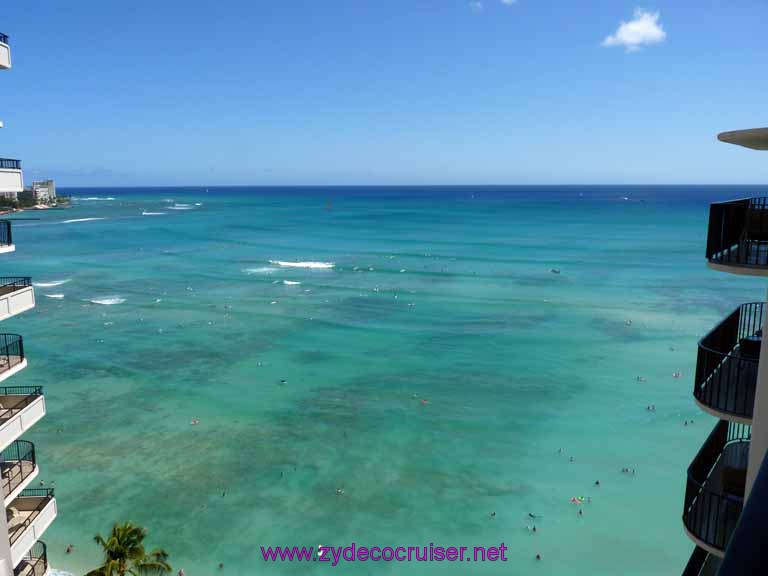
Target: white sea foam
92 198
56 296
198 203
291 283
107 301
181 207
313 265
262 270
81 220
50 284
145 213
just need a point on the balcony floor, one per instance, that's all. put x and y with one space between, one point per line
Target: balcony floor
27 509
9 289
28 569
11 405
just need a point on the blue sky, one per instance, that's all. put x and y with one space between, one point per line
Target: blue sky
383 91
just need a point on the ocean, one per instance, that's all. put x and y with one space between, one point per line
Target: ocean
235 368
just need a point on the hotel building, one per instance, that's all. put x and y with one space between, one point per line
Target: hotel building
731 384
28 511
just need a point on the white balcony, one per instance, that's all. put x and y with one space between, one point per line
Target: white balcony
16 296
12 360
11 177
21 407
5 52
28 516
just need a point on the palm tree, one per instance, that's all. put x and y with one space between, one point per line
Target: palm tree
124 554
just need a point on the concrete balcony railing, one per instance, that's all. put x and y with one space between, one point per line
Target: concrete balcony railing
34 562
16 295
12 359
18 467
28 516
21 407
714 494
5 52
726 366
11 176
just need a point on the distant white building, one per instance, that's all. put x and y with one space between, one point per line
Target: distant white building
44 190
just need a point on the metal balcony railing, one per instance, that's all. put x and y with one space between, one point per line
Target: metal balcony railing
6 238
4 38
726 367
13 283
738 233
10 164
701 563
11 351
714 494
17 463
34 563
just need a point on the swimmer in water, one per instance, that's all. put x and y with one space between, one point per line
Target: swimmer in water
69 549
194 422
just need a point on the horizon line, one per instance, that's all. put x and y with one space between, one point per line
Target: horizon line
404 186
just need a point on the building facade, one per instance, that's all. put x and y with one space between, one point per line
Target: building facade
11 177
44 191
28 511
731 382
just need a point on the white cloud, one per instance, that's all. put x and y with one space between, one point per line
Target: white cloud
476 5
509 2
642 30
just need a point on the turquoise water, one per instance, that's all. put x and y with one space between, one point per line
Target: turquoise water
308 380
